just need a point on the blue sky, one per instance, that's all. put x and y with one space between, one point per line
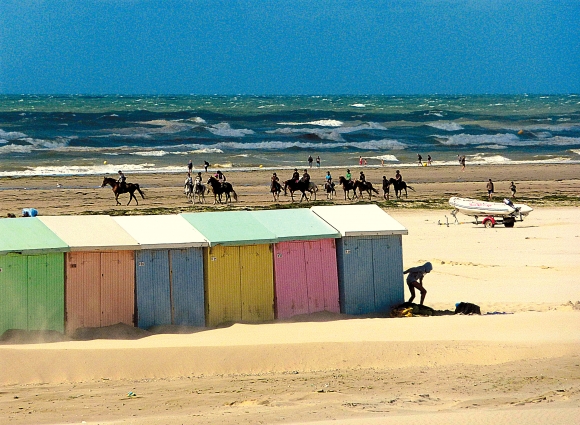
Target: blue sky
289 47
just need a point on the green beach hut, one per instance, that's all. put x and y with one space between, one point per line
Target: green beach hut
31 276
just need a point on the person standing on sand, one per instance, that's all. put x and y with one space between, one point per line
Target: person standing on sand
489 187
415 280
428 159
462 162
190 166
513 189
420 159
318 161
310 161
360 160
205 165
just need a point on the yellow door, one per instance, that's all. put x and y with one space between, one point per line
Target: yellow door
257 283
222 285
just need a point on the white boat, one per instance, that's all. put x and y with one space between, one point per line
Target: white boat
492 212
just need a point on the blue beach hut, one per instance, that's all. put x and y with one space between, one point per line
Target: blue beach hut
168 270
369 257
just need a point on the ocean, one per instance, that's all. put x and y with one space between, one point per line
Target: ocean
84 135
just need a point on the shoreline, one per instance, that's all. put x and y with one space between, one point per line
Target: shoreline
539 185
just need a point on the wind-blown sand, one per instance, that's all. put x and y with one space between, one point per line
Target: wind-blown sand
520 367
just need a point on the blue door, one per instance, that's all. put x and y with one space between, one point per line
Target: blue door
187 293
153 288
355 275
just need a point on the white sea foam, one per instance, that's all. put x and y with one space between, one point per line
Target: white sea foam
206 150
322 123
197 120
151 153
15 149
576 151
445 125
223 129
358 105
11 135
387 158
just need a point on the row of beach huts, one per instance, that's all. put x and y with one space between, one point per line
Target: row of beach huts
63 273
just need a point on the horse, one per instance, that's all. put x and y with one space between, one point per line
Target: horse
366 187
275 189
195 190
330 190
347 186
300 186
399 187
118 189
219 189
386 188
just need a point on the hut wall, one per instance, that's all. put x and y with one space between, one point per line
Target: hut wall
370 273
32 292
100 289
169 286
306 277
238 284
187 297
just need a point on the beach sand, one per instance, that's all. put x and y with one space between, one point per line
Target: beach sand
519 367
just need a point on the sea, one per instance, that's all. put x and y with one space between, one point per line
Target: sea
97 135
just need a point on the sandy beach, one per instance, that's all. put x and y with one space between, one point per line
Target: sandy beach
519 362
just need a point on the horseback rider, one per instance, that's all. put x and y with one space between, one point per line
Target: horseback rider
398 177
305 177
275 183
295 175
362 177
220 177
198 179
122 180
189 180
348 176
328 178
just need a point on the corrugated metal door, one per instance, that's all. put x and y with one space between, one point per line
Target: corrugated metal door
13 292
153 288
187 297
222 284
117 287
388 272
82 290
46 292
291 289
322 275
257 283
356 281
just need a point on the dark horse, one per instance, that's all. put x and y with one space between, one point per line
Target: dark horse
129 188
219 189
275 189
365 187
399 187
347 186
301 187
330 190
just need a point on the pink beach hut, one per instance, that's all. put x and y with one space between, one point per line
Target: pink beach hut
305 268
99 270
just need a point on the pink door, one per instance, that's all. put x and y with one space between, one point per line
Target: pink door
83 290
322 275
117 287
290 279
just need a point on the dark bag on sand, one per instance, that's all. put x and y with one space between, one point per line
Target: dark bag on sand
467 308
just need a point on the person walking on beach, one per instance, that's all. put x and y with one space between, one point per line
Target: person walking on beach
205 165
420 159
310 161
415 280
489 187
513 189
462 162
428 159
318 161
360 160
190 166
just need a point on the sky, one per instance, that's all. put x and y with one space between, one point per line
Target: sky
291 47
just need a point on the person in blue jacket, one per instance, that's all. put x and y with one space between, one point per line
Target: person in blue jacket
415 280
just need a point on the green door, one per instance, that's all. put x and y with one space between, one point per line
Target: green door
46 292
13 292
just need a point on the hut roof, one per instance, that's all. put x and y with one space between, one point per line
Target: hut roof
90 232
295 224
360 220
28 235
162 231
230 228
